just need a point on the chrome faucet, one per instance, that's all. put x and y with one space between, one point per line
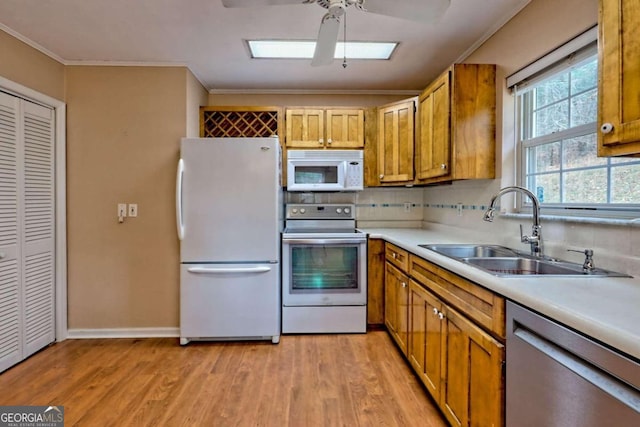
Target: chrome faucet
535 239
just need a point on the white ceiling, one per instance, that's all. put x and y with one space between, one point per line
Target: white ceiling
209 39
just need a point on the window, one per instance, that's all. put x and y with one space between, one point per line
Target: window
557 120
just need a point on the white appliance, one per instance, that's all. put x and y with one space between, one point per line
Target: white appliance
324 267
229 219
325 170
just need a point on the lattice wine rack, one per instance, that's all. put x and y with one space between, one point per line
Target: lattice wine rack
228 122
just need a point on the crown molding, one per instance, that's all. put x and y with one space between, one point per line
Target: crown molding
32 44
312 92
494 29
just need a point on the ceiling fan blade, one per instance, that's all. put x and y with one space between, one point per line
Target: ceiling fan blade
327 39
252 3
414 10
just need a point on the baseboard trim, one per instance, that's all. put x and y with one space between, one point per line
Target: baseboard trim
124 333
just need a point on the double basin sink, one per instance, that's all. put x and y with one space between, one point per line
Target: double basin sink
507 262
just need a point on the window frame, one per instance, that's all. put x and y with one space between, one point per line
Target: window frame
523 125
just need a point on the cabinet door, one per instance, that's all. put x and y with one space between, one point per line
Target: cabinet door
473 393
395 142
305 128
619 82
425 337
345 128
397 305
434 144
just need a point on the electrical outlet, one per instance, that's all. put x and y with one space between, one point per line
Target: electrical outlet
407 207
459 209
133 209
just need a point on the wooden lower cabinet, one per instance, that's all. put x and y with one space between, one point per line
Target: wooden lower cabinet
396 305
375 282
458 356
473 381
425 339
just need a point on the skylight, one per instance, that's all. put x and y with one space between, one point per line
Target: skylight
291 49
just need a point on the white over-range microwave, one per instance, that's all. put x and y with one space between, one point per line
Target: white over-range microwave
325 170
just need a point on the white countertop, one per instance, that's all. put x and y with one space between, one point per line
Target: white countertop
607 309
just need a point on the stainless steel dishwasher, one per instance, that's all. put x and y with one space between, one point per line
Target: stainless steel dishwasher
557 377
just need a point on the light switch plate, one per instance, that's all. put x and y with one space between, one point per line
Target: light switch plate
133 209
122 210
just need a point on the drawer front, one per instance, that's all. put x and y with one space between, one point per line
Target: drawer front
479 304
397 256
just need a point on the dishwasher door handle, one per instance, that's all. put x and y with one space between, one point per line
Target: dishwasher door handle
228 270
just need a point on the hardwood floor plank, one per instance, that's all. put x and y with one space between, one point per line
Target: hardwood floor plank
306 380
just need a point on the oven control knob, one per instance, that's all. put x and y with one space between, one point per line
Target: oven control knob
347 210
338 210
302 210
294 210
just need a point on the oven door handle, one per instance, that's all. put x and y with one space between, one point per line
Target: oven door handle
227 270
314 241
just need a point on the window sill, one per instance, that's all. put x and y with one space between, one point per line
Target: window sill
622 222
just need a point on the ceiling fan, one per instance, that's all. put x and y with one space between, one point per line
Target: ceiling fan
414 10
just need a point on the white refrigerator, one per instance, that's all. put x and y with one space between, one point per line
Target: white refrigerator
229 220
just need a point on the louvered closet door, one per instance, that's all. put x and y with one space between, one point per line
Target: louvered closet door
27 234
10 290
38 239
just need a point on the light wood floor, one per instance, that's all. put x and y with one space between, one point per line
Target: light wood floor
306 380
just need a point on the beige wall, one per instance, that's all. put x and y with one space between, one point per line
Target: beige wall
124 126
284 99
197 96
25 65
539 28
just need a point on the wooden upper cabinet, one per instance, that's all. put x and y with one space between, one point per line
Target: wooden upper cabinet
619 82
324 128
395 142
345 128
305 128
457 125
434 158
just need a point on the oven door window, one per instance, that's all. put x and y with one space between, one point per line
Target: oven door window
324 269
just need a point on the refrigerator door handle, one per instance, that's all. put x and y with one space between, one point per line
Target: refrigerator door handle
179 219
227 270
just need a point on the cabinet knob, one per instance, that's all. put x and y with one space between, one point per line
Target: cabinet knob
329 141
320 141
441 315
443 166
404 284
394 255
606 128
381 176
435 310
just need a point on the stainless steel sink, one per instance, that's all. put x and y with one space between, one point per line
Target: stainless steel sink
523 266
503 261
471 251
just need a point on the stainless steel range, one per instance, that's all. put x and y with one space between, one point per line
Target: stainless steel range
324 283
